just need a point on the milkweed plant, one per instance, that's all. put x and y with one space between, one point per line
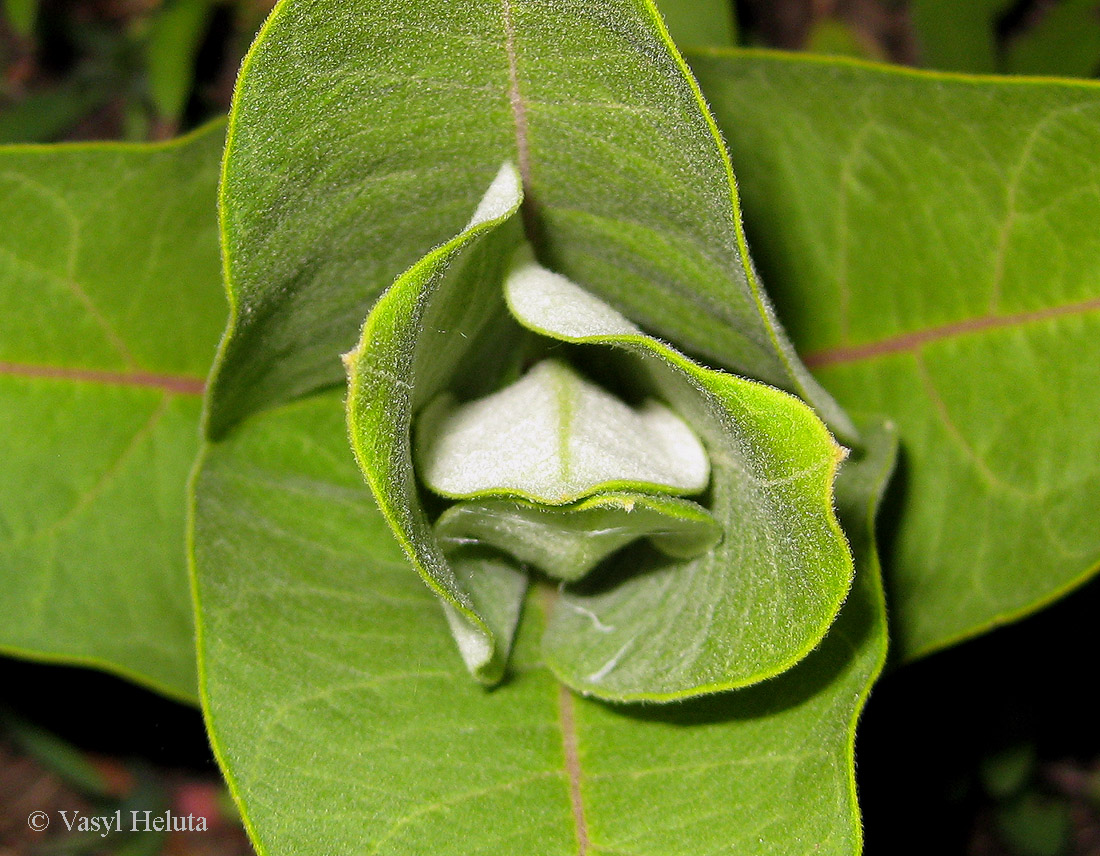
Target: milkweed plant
513 515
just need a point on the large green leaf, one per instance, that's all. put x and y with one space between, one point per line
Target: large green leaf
746 610
109 313
363 133
332 691
932 243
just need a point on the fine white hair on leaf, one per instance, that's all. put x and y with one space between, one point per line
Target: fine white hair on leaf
503 195
551 302
555 437
474 646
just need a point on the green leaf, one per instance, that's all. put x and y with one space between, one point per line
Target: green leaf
1005 773
21 14
931 242
46 114
1065 40
175 36
836 37
109 313
395 369
340 173
1036 825
956 36
700 22
569 541
69 763
332 691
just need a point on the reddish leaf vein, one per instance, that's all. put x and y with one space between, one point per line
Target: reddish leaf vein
175 384
907 342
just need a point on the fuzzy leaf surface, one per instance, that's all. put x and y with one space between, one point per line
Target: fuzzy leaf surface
760 599
555 437
363 133
437 321
568 542
322 652
110 307
749 608
931 240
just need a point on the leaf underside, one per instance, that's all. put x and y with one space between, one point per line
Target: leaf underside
762 597
569 541
555 437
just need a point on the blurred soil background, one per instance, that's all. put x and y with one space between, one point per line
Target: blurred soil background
989 749
77 740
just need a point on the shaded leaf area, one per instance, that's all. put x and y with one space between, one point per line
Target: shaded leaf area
568 542
322 651
931 241
175 36
341 172
958 36
109 313
985 36
1062 39
21 14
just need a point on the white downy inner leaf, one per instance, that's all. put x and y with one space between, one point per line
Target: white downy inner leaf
554 437
549 301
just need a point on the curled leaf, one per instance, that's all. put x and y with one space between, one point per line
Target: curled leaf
648 625
569 541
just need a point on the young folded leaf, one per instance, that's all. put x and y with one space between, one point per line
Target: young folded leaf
757 602
650 625
554 438
568 541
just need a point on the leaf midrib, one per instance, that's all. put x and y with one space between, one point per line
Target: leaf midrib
519 115
567 724
528 211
